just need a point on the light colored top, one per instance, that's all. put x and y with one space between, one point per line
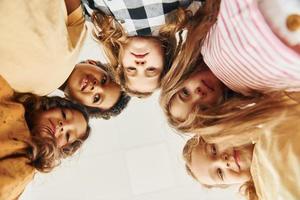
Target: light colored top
275 166
39 43
15 172
244 53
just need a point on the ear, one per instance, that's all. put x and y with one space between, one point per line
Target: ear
92 62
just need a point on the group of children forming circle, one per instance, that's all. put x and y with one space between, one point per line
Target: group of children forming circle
222 80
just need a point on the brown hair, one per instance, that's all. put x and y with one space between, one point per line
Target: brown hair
43 152
112 36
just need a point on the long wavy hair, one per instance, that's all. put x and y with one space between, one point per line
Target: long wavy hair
43 152
235 114
113 38
281 121
247 189
189 52
233 117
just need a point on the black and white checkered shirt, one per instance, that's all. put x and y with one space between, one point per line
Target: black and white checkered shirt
139 17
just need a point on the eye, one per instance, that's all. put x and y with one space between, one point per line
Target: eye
67 136
96 98
151 69
63 114
104 79
130 69
213 149
184 94
220 173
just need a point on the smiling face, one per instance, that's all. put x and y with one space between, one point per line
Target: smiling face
143 60
214 165
202 88
91 86
65 125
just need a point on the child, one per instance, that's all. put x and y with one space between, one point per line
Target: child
238 46
197 102
266 166
36 133
93 85
138 62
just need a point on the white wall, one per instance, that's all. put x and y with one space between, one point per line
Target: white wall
134 156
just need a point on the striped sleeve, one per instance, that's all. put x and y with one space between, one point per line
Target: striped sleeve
244 53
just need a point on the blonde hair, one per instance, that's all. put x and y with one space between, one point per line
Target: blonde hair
113 37
235 116
247 189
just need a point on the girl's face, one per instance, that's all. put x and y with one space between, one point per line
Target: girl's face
215 165
202 88
91 86
143 61
65 125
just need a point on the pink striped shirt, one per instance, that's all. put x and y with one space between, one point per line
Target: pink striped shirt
244 53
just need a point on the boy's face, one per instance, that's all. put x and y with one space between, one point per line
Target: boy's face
143 60
64 124
92 86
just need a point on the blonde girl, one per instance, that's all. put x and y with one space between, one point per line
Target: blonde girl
266 165
240 107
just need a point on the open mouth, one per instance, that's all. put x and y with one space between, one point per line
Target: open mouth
137 55
236 156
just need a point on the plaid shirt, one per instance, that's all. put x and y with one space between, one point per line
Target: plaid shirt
138 17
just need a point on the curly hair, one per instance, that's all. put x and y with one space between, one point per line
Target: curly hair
44 152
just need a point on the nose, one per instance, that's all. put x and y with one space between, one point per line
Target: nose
140 62
63 127
60 129
227 161
95 86
200 94
92 84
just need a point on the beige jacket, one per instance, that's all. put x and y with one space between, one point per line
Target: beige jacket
15 173
276 162
39 43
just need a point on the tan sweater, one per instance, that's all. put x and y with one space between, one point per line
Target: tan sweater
15 173
39 43
276 162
